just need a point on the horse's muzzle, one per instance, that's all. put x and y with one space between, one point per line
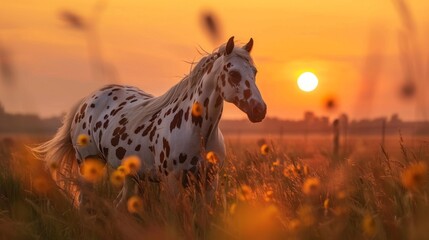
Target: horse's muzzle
256 111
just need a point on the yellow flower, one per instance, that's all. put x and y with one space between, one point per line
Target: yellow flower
232 208
311 186
132 164
368 225
82 140
264 149
290 171
414 176
123 170
135 204
117 178
197 109
306 170
211 157
326 204
268 196
246 193
92 170
298 168
277 162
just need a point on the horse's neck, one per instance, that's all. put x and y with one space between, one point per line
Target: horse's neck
206 93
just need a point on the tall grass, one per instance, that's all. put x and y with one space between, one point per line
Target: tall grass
277 192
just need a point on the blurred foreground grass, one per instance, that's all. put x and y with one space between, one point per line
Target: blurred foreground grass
279 189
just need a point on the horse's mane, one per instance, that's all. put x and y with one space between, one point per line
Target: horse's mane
153 105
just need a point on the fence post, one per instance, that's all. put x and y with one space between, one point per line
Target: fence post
336 141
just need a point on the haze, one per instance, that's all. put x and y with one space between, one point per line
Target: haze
352 46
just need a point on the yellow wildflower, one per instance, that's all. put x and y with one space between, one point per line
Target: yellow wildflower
232 208
92 170
277 162
326 204
82 140
135 204
246 193
211 157
290 171
123 170
306 170
298 168
131 164
197 109
414 176
311 186
268 196
117 178
264 149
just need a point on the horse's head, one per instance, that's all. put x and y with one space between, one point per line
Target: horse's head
236 81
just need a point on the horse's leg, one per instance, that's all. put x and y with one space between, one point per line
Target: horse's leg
130 188
86 187
211 182
203 178
173 184
119 197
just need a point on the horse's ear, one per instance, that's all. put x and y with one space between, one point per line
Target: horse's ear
248 47
229 46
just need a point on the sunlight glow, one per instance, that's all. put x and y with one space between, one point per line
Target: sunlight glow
307 82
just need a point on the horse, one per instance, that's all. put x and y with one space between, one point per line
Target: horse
170 133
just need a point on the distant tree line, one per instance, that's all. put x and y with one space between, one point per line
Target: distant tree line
310 124
27 123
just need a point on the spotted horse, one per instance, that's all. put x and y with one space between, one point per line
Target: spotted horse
162 131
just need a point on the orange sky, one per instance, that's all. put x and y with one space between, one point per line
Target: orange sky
149 42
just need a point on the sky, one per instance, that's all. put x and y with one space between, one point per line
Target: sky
361 51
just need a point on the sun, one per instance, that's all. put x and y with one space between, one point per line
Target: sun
307 82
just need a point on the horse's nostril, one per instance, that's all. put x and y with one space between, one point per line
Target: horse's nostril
258 110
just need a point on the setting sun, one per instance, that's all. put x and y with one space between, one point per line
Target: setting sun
307 82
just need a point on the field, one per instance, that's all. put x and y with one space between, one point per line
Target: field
289 188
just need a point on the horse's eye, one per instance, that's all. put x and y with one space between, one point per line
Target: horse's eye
235 77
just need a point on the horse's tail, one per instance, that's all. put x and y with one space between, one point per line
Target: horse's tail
58 153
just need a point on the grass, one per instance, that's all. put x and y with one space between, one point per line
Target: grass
290 191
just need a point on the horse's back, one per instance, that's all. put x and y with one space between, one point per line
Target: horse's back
102 116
